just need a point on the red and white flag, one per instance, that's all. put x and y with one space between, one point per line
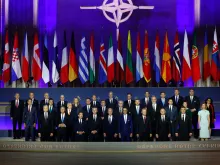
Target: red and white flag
186 67
25 60
36 63
6 65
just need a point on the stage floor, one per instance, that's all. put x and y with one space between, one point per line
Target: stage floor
186 158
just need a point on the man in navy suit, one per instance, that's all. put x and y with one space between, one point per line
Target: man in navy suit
29 120
110 127
87 109
80 129
146 100
34 103
111 102
16 112
162 102
62 122
125 126
193 103
62 102
172 114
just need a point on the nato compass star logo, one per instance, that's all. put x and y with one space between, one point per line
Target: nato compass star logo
117 8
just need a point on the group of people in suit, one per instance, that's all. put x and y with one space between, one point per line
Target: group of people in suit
148 119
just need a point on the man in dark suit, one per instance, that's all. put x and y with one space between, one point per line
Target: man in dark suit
144 132
110 127
111 102
87 109
177 99
45 127
72 116
34 101
43 102
183 126
136 113
94 126
153 112
172 114
62 122
119 110
163 131
29 120
129 103
103 110
146 100
53 113
80 129
95 103
62 102
193 103
16 114
125 126
162 102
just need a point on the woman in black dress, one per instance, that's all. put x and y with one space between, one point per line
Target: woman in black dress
211 109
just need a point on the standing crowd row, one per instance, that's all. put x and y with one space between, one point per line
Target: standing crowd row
147 119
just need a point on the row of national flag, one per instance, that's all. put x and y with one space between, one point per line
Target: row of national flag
167 67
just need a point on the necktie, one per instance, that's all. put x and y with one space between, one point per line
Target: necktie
120 110
94 103
87 108
94 118
103 110
109 120
125 119
50 108
110 101
163 118
129 102
176 99
191 98
16 104
137 110
29 109
154 106
62 118
45 116
144 119
62 103
170 108
68 111
183 117
146 101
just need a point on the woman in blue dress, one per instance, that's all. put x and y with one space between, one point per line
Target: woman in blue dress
204 123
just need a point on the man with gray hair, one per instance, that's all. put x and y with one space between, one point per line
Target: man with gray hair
62 102
119 110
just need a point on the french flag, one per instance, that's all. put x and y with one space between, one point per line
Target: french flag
25 60
215 64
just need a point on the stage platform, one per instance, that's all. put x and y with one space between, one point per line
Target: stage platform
10 145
